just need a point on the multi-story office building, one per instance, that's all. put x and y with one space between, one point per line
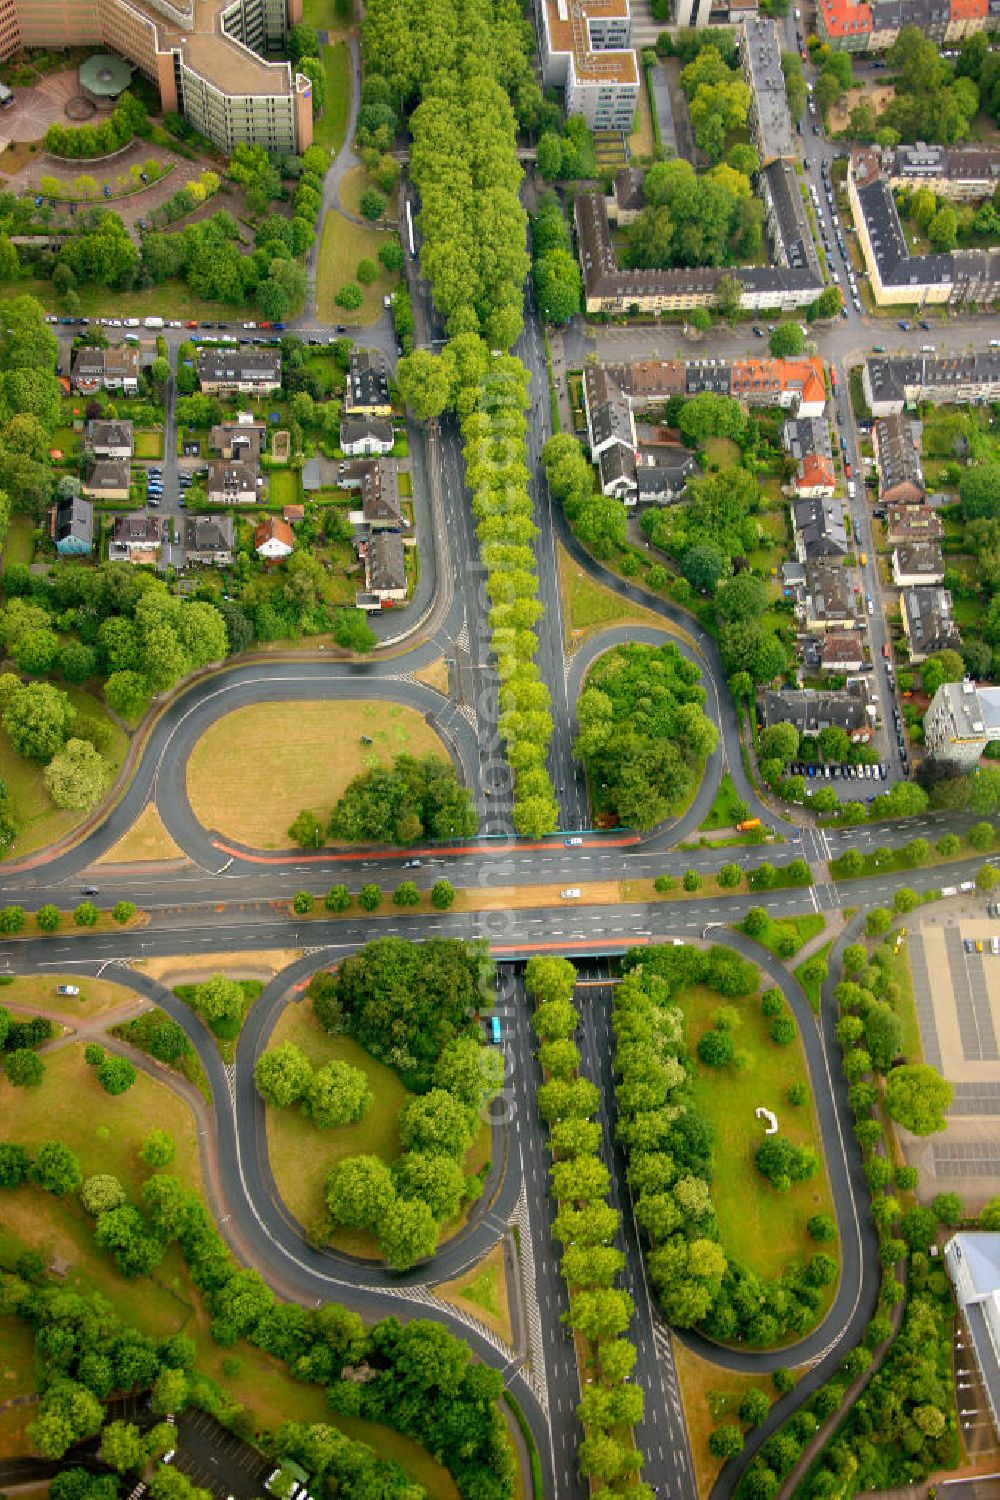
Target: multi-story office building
205 57
585 47
960 722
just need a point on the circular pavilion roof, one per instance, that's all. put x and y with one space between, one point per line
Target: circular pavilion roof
105 76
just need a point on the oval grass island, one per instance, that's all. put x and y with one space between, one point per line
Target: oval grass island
307 753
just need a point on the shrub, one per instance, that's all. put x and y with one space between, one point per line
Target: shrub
716 1048
338 898
47 917
303 902
782 1031
692 880
123 912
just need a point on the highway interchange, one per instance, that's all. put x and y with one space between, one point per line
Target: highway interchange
225 898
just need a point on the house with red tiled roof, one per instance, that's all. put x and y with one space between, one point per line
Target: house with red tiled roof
781 382
814 477
845 25
273 539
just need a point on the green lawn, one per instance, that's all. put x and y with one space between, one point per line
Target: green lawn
19 546
811 986
343 245
807 926
149 445
67 441
728 808
39 821
284 487
722 451
331 127
760 1227
911 1046
301 1154
171 299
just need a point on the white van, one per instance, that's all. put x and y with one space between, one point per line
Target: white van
852 488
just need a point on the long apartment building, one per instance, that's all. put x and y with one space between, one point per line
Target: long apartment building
585 48
205 57
794 280
898 276
953 379
857 26
770 121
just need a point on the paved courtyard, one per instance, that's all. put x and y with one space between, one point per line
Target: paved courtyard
35 109
957 999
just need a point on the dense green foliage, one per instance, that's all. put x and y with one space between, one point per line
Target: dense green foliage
710 219
670 1146
412 1006
643 734
398 804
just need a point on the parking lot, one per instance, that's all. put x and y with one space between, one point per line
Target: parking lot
217 1460
954 956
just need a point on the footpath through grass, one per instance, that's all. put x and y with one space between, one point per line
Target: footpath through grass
106 1133
760 1227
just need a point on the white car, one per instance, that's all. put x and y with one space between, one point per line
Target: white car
571 893
67 989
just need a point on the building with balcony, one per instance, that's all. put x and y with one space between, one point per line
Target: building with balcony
960 721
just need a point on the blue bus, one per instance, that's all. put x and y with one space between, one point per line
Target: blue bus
495 1030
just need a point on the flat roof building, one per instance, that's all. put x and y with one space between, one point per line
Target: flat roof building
585 48
973 1264
770 122
205 57
960 721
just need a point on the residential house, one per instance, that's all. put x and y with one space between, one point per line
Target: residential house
380 505
71 527
972 1260
232 482
608 412
109 439
273 539
366 437
244 371
916 563
806 440
628 198
928 621
830 600
209 540
859 26
135 539
385 570
617 470
842 651
662 474
819 529
811 711
786 223
912 523
367 391
107 479
243 439
610 287
897 457
960 721
114 369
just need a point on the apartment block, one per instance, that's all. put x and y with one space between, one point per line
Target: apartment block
960 722
849 26
954 379
205 57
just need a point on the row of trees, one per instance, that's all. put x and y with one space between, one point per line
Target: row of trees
599 520
127 120
420 1379
464 164
643 733
555 269
587 1226
670 1147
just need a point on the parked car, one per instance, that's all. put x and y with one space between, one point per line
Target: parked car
67 989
